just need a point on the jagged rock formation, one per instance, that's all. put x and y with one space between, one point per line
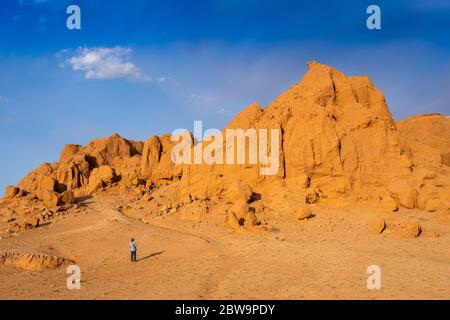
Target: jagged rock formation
338 144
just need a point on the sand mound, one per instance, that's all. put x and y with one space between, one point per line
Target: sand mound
33 261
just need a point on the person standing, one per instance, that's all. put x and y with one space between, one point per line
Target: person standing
133 249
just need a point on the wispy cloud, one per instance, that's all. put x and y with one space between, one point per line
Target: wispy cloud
106 63
42 24
225 112
201 97
430 5
3 100
26 2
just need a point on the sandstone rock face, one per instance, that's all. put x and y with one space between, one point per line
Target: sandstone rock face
51 199
403 193
76 164
95 184
239 191
157 162
333 128
69 151
105 174
338 145
68 197
240 209
427 138
46 183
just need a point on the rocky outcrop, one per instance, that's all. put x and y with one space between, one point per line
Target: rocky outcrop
33 261
157 164
338 144
11 192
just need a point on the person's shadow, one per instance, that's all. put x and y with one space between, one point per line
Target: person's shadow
150 255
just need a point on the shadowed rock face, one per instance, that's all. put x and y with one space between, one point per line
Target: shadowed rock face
338 144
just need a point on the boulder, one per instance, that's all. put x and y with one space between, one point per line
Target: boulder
68 197
46 183
30 223
51 199
11 192
403 193
411 229
388 204
302 213
251 220
106 174
378 226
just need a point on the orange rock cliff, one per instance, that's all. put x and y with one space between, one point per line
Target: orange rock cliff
339 145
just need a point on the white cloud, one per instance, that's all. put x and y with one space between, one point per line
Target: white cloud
106 63
163 79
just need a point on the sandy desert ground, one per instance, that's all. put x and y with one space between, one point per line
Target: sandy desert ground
320 258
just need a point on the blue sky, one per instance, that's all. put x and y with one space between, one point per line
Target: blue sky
148 67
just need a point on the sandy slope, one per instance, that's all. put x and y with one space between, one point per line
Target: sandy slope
324 257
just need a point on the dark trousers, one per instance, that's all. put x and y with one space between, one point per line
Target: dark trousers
133 256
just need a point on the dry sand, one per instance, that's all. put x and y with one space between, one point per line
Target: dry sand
325 257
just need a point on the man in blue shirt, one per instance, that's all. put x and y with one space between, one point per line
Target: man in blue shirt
133 248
